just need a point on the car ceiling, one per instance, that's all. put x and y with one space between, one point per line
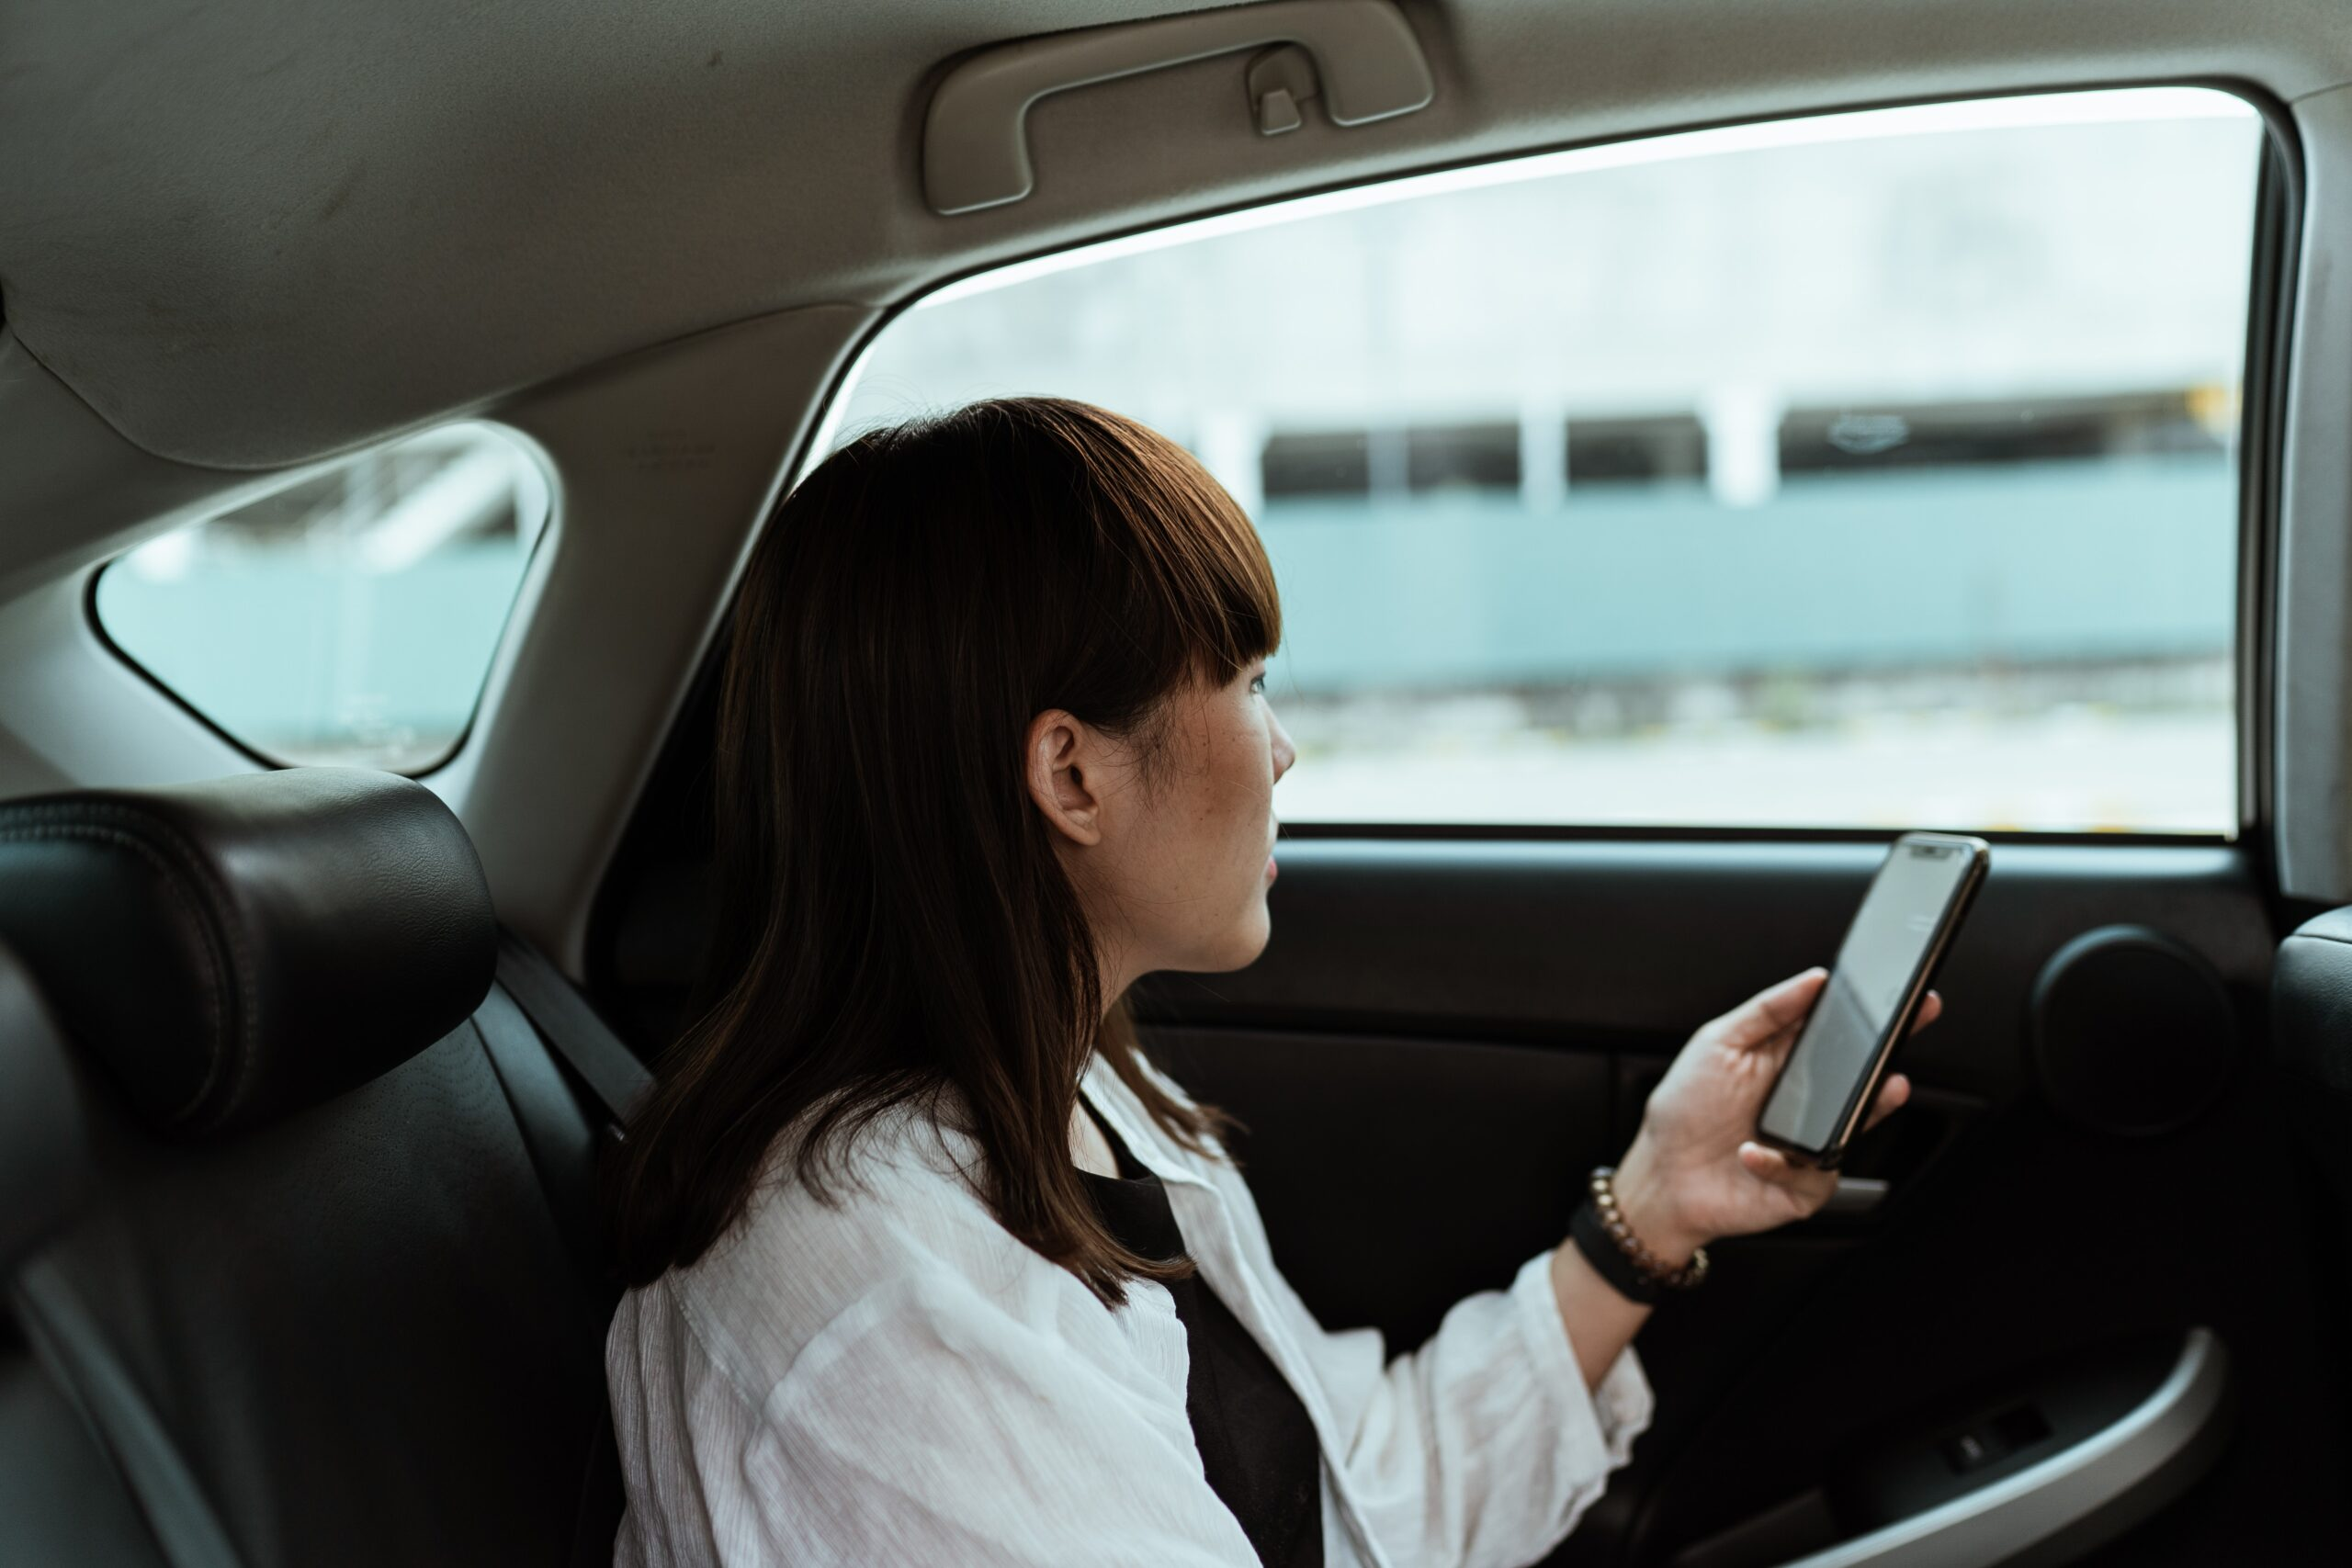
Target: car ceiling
254 232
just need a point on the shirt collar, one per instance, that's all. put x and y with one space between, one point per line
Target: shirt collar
1116 1104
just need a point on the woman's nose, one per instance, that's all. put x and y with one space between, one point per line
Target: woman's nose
1284 752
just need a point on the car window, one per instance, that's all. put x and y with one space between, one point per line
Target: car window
1863 470
350 617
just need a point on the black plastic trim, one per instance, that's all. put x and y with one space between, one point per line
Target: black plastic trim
2262 441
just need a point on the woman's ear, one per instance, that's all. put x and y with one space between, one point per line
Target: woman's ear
1064 758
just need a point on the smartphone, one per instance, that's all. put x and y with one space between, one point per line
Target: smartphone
1875 989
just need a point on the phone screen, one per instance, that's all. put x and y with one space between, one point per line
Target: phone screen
1883 952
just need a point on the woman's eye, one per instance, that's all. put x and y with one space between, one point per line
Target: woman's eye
1257 684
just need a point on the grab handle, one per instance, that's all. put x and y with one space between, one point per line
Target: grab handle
976 144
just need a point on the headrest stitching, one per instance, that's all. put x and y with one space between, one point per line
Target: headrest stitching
209 925
231 933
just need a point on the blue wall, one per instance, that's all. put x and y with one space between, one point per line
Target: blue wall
2114 558
281 651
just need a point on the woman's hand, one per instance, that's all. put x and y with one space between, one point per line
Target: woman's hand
1695 1172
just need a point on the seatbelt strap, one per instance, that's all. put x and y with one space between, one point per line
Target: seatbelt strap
550 1009
571 1029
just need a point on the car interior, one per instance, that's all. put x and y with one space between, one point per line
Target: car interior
1697 443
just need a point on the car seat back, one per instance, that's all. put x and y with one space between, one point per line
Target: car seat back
325 1298
59 1498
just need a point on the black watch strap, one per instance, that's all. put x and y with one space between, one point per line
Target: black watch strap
1591 1234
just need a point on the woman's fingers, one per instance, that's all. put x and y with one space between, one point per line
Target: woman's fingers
1771 1164
1805 1188
1892 1095
1777 1010
1771 1012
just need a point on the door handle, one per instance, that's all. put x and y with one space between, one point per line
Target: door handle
1856 1196
2097 1487
976 139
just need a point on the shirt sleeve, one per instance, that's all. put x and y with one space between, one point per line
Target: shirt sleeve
927 1423
1482 1448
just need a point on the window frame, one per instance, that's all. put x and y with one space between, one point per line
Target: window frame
2273 256
2281 191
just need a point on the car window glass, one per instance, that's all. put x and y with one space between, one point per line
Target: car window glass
1867 470
349 617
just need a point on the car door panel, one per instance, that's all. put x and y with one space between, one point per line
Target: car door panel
1443 1037
1359 1215
1635 944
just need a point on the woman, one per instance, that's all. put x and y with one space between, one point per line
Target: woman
929 1264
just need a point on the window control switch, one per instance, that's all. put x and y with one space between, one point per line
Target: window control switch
1991 1440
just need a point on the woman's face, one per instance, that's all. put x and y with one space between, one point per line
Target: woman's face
1169 834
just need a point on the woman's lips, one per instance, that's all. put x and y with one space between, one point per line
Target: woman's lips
1271 869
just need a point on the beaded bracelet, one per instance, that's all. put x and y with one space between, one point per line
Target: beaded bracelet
1635 1271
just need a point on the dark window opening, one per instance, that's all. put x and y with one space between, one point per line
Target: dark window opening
2009 431
1390 461
1311 464
1641 451
1463 456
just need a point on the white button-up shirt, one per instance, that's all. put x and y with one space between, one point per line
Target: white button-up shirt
897 1380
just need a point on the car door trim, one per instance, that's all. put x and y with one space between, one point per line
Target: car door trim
2105 1482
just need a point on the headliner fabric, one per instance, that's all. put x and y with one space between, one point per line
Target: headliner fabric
259 231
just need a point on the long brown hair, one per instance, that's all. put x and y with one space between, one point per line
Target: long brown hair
894 928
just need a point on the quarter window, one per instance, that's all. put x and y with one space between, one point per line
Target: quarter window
1870 471
350 617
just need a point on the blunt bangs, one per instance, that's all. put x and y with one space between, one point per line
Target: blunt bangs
1199 590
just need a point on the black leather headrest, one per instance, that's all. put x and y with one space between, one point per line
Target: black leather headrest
41 1155
2310 999
233 951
